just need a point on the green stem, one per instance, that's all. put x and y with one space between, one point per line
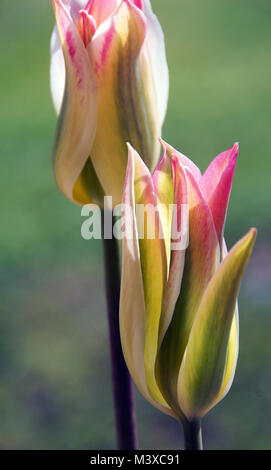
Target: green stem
192 435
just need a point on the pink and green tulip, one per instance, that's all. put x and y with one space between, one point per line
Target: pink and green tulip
109 81
178 309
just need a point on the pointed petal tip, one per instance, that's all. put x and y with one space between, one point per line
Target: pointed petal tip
236 146
228 158
162 142
235 150
163 160
254 230
243 248
87 26
129 146
131 155
168 149
251 235
246 245
135 159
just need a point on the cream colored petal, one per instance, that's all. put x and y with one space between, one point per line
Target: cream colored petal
133 316
77 121
155 51
57 71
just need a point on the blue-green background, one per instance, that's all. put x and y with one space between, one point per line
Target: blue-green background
54 368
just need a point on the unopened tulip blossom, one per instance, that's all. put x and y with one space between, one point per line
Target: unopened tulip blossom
178 310
109 81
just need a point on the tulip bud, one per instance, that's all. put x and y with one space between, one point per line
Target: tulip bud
178 308
109 83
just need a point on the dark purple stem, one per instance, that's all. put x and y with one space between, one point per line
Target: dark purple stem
192 434
122 384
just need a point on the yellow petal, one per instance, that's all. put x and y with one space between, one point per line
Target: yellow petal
233 349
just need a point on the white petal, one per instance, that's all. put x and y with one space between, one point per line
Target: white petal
57 71
155 46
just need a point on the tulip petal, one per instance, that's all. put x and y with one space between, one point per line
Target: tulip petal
87 188
231 360
203 366
164 189
77 122
57 66
185 161
216 186
57 71
138 3
123 115
102 9
74 7
153 266
177 258
133 304
233 349
201 261
86 26
155 52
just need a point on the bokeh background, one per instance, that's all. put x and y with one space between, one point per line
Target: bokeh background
55 390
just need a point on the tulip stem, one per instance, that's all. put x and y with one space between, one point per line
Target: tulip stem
192 435
122 384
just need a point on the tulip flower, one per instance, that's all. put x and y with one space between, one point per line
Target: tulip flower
109 81
178 308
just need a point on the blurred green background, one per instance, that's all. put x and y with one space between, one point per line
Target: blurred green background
54 373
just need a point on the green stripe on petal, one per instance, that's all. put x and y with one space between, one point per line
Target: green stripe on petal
203 366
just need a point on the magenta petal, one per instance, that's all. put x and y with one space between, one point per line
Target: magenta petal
216 186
